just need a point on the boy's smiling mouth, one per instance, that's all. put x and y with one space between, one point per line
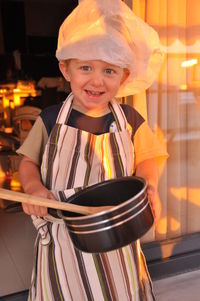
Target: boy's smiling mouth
94 93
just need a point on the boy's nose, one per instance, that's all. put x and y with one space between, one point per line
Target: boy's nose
97 80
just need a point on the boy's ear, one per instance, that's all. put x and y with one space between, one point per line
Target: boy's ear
63 66
125 76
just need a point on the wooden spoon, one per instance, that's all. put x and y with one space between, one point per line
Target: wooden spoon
21 197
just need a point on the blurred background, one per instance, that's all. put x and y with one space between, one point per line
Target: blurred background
30 80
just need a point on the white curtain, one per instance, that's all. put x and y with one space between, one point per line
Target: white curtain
173 106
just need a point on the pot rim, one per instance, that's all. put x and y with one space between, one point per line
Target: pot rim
108 219
110 227
127 202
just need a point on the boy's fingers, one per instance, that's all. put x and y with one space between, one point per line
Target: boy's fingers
38 210
34 210
27 208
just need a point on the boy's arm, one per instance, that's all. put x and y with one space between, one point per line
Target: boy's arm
148 170
30 179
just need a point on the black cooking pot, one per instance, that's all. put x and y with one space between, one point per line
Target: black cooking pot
129 219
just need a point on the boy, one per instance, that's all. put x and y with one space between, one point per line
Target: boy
108 53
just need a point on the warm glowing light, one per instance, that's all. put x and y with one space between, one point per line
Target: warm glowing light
16 97
194 196
167 252
179 193
16 90
162 225
174 224
2 173
183 87
17 101
15 183
8 130
12 105
190 194
6 102
189 63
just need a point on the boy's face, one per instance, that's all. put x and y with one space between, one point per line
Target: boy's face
93 83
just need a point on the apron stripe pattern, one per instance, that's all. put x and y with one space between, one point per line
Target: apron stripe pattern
75 159
88 156
118 165
53 273
109 276
52 154
84 275
86 144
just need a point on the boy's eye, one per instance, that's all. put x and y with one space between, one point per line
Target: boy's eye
85 68
109 71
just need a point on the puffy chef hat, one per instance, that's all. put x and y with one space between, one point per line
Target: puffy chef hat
108 30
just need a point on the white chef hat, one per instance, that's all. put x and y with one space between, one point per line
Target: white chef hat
108 30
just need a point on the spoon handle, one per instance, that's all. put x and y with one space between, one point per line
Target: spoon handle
39 201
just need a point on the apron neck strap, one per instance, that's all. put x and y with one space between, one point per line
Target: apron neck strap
118 114
65 110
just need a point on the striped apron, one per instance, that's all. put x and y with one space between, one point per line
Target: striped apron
74 159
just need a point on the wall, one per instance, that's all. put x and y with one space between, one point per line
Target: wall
25 19
31 26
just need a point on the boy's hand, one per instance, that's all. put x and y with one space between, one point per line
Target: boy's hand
38 210
30 178
155 202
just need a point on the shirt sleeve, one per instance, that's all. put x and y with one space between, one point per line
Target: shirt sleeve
148 146
34 144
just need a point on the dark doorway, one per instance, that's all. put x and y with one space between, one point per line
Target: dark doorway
13 21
